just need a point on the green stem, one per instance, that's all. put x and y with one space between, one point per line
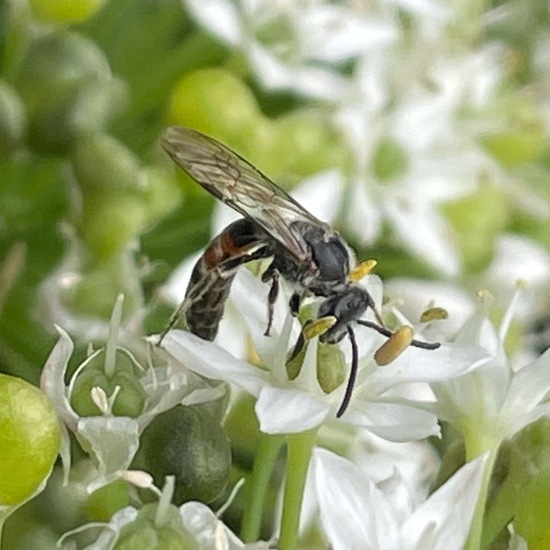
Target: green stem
258 485
501 509
300 447
473 450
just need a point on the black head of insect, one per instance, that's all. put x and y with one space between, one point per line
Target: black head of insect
341 310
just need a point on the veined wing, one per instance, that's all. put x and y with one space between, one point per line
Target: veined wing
237 183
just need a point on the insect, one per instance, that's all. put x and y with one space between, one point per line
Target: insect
306 252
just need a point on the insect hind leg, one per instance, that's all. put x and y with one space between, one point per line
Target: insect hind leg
195 294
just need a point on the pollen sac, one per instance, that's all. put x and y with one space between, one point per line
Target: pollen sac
394 346
319 326
433 314
362 270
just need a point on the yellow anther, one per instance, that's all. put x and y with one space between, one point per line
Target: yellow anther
434 314
394 346
361 270
319 326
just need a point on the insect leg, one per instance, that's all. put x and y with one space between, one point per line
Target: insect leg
195 294
294 304
387 333
299 345
271 275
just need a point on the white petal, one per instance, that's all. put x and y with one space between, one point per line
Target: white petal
415 296
208 359
447 514
174 289
424 230
335 34
363 217
52 379
289 411
528 387
354 513
519 258
321 194
312 82
421 365
207 529
250 296
392 421
222 216
114 442
218 16
416 461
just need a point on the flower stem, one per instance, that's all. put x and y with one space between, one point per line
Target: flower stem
111 346
300 447
476 531
257 486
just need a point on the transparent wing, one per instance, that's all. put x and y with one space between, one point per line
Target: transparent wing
234 181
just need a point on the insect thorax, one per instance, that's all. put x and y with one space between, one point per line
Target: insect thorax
328 268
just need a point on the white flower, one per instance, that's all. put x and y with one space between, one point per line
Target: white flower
114 440
290 406
519 259
193 523
356 514
440 158
294 45
497 400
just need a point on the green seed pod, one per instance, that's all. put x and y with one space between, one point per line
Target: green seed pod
189 443
29 439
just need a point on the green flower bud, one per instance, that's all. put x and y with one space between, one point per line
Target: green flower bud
29 439
189 443
214 101
97 287
68 89
305 144
130 399
104 502
63 11
511 148
103 164
145 533
113 212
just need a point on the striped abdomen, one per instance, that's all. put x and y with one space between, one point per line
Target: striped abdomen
240 242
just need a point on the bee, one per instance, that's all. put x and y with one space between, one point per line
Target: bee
306 252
